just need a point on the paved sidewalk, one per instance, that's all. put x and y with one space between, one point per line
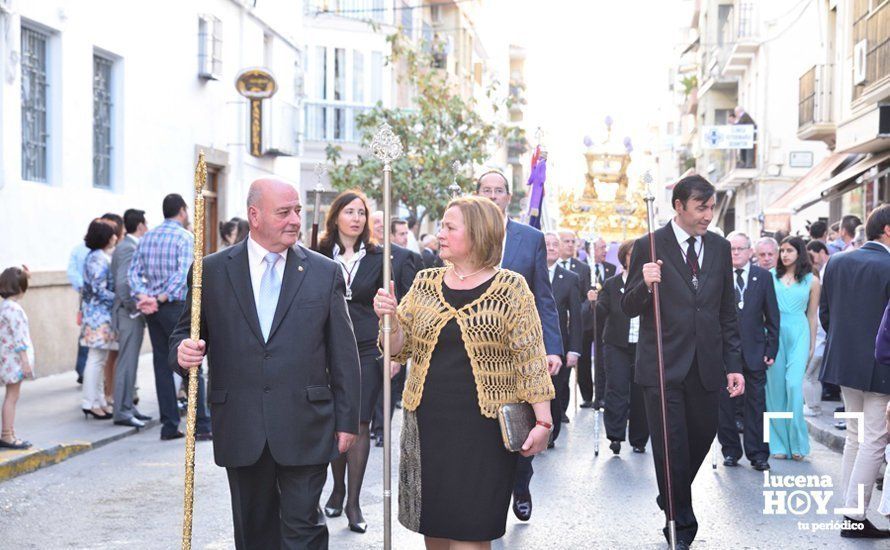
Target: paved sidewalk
49 416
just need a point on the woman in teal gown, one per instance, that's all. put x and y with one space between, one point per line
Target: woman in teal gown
797 291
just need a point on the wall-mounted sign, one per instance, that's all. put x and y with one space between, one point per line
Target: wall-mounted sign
800 159
728 136
256 84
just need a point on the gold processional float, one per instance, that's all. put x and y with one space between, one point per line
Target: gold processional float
607 207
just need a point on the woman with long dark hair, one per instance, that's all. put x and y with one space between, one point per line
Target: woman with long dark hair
797 292
347 240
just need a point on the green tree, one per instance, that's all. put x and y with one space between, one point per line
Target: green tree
438 130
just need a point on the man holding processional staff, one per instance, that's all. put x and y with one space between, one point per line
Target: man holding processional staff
692 268
284 371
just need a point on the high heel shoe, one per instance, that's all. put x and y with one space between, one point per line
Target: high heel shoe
87 413
331 510
359 525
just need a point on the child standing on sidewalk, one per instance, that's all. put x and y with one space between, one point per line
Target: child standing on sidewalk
16 350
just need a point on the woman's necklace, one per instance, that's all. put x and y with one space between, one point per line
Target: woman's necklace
465 277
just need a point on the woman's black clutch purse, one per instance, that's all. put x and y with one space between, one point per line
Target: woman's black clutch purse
517 420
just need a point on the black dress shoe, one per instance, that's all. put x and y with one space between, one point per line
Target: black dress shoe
730 461
599 404
522 507
168 437
206 436
334 506
682 545
615 446
358 524
564 419
863 530
378 441
639 449
586 405
760 465
131 422
142 417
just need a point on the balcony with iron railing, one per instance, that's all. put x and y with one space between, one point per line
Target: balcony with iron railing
280 128
333 121
729 168
814 113
740 37
872 29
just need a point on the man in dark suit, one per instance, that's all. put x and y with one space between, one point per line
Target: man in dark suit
284 372
525 253
855 290
593 390
567 260
700 335
129 323
430 252
405 263
565 285
758 314
746 156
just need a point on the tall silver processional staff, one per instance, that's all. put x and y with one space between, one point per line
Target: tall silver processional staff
387 148
659 349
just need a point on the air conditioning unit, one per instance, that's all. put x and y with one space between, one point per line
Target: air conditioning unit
859 59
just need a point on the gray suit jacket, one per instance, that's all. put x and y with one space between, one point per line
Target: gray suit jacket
291 392
120 264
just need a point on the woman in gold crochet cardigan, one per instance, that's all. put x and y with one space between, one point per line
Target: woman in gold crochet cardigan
475 340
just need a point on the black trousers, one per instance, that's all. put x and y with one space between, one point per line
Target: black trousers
753 403
275 506
160 327
585 363
624 398
559 403
692 425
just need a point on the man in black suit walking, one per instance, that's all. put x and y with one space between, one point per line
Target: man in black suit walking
284 372
566 293
568 261
430 252
700 335
758 314
593 391
855 291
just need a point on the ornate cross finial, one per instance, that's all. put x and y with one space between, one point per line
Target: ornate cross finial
454 188
386 145
320 170
647 182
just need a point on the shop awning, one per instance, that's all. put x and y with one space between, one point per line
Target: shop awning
806 185
818 192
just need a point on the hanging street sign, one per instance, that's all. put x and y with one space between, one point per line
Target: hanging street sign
256 84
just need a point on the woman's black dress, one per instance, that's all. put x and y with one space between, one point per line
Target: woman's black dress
466 473
367 280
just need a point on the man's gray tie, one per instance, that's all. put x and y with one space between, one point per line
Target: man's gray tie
270 288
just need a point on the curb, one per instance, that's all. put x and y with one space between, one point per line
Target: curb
829 436
16 463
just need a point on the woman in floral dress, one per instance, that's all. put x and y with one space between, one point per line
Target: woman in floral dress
97 298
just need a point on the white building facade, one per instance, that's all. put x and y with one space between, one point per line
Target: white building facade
105 105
